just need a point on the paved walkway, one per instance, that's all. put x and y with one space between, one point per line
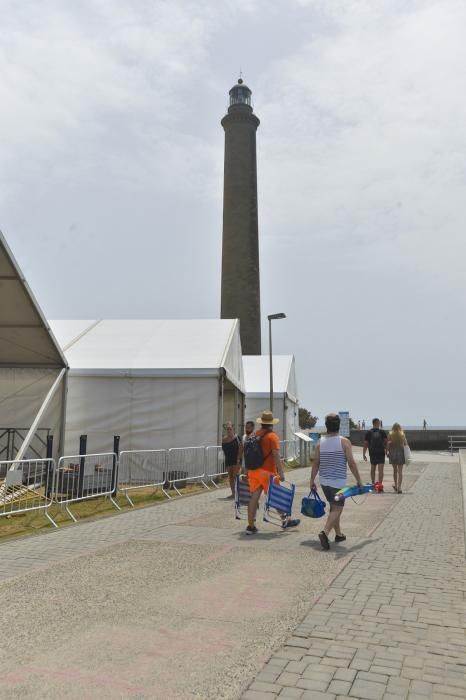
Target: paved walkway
173 601
392 624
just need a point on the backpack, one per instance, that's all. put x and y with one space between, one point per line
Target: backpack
376 443
252 451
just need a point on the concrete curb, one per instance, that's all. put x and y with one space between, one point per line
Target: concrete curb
462 461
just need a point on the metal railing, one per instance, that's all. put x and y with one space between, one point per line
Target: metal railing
456 442
185 464
214 464
140 469
27 485
80 477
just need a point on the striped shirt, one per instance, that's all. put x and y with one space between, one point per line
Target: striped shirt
333 463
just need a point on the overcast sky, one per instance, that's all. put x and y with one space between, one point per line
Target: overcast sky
111 176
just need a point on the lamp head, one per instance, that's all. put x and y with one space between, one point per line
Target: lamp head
272 317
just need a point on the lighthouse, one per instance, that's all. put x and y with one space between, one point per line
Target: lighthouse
240 245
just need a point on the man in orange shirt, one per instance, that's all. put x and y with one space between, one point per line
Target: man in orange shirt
259 478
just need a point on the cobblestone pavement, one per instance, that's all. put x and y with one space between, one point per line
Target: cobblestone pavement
392 624
174 602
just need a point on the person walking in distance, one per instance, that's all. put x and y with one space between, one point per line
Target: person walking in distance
375 440
334 454
233 451
396 454
259 477
424 424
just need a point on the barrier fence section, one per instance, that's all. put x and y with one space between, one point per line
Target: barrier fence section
186 464
456 442
81 477
140 469
27 485
214 463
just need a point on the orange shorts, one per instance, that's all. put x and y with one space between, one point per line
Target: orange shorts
259 478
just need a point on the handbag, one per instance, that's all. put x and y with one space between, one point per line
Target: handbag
407 452
313 506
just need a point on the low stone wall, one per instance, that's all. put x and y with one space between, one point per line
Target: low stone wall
417 439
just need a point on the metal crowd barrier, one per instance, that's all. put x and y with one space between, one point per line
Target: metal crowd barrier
140 469
80 477
456 442
214 463
34 484
185 464
27 485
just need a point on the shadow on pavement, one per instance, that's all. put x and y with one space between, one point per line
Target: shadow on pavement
341 550
264 535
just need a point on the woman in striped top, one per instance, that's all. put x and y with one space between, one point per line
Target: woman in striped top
333 455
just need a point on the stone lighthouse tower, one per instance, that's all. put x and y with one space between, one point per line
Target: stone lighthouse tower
240 251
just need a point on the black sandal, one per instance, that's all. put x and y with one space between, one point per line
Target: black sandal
324 540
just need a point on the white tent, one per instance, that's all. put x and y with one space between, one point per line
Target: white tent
157 384
285 394
31 364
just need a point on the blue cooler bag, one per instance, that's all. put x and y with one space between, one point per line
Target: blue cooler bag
313 506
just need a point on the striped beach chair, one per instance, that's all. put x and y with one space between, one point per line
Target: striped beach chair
279 502
242 497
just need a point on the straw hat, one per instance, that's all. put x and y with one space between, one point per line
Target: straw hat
267 418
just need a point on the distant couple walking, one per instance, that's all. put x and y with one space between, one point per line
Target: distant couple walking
392 445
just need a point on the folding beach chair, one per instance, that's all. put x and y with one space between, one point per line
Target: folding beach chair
279 503
242 496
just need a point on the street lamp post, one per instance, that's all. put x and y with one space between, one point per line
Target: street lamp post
271 318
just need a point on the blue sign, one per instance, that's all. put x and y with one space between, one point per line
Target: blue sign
344 423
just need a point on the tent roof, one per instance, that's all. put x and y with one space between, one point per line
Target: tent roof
257 375
152 347
25 337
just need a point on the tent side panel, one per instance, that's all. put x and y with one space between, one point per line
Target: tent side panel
255 406
292 388
292 419
22 392
233 360
147 412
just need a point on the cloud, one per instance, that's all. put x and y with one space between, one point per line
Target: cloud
113 169
362 194
103 73
369 116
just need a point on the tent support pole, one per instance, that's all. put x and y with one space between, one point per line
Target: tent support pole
285 419
220 412
27 440
61 439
